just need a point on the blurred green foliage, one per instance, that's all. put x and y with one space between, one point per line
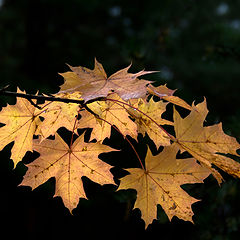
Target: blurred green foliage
195 45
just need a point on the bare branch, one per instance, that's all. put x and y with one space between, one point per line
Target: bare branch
40 97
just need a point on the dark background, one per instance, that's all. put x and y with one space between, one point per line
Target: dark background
195 45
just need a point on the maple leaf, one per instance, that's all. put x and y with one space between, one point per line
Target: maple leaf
20 124
109 112
160 184
58 114
147 116
205 143
167 94
68 165
95 83
89 120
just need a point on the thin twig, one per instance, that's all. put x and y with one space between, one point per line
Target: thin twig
4 88
125 137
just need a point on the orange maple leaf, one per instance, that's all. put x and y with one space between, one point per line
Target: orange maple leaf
95 83
160 184
68 165
205 143
20 122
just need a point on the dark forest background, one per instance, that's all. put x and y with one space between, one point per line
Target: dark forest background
195 44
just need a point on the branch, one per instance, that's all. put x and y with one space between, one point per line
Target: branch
81 102
40 97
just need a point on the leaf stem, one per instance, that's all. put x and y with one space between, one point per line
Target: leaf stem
74 127
125 137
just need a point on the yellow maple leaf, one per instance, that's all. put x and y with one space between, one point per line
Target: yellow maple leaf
110 112
160 184
95 83
68 165
89 120
205 143
20 122
148 118
58 114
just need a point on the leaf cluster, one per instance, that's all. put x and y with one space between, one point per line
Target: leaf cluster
90 99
